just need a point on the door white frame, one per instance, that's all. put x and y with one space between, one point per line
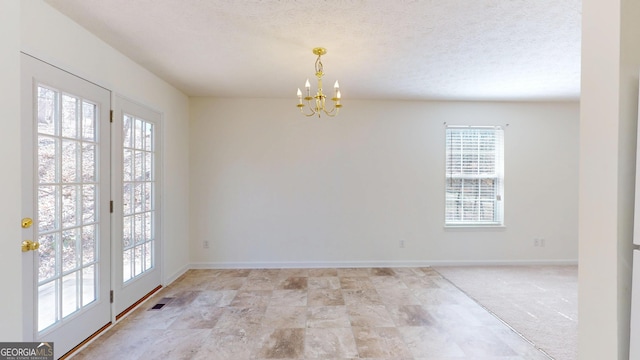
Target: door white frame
129 293
76 326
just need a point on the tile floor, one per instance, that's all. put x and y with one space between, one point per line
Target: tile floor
356 313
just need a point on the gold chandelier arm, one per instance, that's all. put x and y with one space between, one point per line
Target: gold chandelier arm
333 112
303 113
309 106
319 106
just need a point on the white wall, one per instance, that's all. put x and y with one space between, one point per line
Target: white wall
608 123
270 187
10 188
49 35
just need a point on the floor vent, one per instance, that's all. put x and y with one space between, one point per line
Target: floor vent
161 303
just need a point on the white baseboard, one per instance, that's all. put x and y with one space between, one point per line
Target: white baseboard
557 262
306 264
380 263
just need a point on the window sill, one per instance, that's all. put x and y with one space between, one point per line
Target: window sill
474 226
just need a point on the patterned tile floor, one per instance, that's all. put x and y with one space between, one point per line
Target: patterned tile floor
355 313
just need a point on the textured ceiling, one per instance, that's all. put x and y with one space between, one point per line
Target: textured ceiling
378 49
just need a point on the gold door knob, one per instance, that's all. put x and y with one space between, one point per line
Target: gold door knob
29 245
26 223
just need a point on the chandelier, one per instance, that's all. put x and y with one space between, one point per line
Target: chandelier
318 106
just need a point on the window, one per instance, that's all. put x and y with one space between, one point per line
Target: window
474 175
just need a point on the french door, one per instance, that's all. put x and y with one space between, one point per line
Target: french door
135 159
66 192
91 205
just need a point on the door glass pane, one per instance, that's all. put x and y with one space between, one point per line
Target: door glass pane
138 197
47 314
88 121
127 130
88 244
127 167
48 119
70 168
148 253
70 240
138 229
148 218
149 167
137 264
69 116
148 136
70 301
137 134
47 256
88 285
67 206
48 206
48 155
88 203
127 237
126 263
138 164
138 191
70 209
88 162
127 199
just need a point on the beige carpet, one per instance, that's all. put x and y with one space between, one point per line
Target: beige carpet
539 302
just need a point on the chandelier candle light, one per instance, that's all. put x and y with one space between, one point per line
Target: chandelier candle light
319 107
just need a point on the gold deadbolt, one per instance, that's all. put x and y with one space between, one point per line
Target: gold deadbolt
26 223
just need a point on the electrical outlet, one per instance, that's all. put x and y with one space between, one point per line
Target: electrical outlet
542 242
402 244
205 244
536 242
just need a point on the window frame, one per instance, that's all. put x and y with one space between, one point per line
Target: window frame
477 199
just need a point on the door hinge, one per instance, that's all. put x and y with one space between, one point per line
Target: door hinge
111 296
111 115
111 206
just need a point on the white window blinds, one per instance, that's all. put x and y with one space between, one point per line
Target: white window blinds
474 175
